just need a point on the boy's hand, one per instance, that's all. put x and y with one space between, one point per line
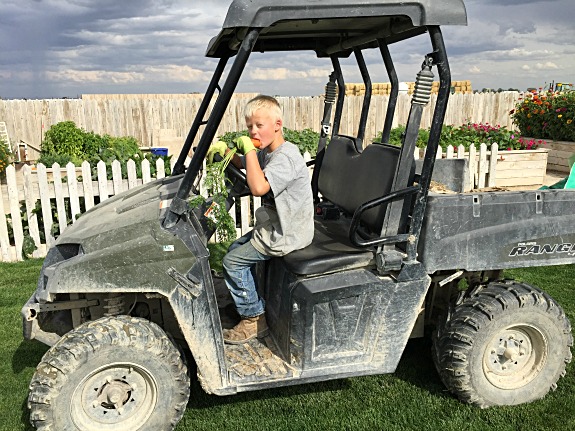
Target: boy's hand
219 147
244 144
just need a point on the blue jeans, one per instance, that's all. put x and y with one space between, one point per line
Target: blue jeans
239 274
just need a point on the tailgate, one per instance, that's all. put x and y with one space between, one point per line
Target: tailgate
498 230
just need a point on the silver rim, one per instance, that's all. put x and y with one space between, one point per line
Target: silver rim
117 394
515 356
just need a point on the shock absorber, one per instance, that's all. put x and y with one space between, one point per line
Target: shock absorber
423 83
114 304
330 96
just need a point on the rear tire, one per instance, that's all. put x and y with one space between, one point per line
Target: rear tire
506 344
113 373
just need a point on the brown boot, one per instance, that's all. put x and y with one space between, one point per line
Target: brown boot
248 329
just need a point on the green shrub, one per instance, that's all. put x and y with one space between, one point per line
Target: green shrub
306 139
546 115
64 138
65 143
396 136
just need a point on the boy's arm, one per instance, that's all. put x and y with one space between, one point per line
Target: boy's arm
257 181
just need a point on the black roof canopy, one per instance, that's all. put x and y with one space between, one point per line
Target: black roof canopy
330 26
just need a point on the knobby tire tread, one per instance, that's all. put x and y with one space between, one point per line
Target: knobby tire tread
454 342
79 344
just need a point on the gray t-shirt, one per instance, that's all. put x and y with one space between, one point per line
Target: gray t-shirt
285 222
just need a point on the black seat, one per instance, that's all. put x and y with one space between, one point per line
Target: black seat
347 179
330 251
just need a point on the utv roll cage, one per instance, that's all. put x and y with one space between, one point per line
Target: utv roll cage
336 29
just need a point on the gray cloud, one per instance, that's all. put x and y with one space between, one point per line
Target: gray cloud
55 48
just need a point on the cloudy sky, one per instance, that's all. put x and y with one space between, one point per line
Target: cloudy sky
65 48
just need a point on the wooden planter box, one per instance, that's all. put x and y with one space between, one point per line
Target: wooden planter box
559 153
491 167
521 167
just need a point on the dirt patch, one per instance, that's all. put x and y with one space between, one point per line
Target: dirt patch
437 187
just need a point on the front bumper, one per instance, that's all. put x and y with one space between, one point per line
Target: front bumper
30 326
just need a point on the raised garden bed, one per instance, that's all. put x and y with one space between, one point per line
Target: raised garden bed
521 167
559 153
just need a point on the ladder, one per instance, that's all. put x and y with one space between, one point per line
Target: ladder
4 135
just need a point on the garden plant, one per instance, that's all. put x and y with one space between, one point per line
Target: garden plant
471 134
64 142
546 115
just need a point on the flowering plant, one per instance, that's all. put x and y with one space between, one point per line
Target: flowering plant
472 134
480 133
546 115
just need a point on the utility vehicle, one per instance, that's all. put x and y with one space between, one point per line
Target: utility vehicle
127 293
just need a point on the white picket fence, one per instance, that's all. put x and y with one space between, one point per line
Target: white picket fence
22 191
482 164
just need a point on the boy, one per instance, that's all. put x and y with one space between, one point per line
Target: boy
283 223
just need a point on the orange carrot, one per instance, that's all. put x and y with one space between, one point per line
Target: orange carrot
257 143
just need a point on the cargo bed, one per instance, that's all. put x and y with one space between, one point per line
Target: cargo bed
478 231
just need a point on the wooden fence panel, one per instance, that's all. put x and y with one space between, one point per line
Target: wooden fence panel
482 168
493 165
45 203
473 166
4 238
132 175
160 169
140 115
102 181
117 177
30 200
73 191
15 215
60 203
146 177
87 185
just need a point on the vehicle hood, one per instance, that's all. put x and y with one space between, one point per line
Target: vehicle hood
122 218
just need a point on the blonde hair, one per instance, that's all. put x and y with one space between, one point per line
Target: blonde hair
268 103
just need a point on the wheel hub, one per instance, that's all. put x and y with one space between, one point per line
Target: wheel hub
118 394
515 356
114 395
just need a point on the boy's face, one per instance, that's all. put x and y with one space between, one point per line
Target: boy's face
261 125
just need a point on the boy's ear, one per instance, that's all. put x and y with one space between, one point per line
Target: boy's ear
279 124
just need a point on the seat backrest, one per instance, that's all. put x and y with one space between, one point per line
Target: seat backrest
349 178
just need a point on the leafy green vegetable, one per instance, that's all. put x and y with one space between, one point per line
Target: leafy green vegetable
214 182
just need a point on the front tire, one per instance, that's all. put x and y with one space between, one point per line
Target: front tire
113 373
506 344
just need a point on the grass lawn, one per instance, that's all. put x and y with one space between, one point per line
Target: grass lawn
411 399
